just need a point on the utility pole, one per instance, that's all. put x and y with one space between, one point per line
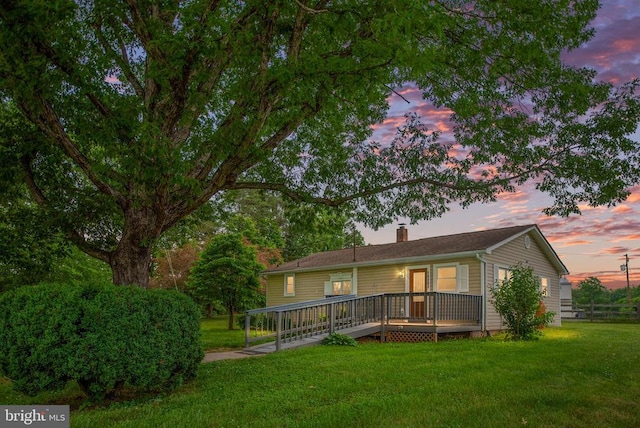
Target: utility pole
625 268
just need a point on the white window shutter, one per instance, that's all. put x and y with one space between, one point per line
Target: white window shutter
328 289
463 278
354 281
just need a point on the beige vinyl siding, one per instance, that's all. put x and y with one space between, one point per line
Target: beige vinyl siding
475 284
380 279
388 278
510 254
370 280
308 286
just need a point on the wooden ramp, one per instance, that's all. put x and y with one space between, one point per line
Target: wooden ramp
355 332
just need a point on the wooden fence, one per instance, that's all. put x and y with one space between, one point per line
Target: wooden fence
607 311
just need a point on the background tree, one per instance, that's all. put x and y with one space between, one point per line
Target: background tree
518 301
137 113
311 229
172 267
275 222
227 272
592 291
619 295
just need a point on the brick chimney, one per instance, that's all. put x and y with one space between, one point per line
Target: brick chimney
402 234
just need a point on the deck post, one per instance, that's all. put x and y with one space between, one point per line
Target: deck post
247 329
383 311
332 318
278 329
435 309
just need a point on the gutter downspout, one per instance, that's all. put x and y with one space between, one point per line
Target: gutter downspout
483 289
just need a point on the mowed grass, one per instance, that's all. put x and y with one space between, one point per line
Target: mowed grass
579 375
216 336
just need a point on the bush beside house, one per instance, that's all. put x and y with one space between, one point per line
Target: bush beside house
519 301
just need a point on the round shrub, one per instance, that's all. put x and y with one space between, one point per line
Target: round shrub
103 337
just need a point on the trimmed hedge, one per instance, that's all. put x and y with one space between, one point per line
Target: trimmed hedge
103 337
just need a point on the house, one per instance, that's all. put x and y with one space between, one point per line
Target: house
428 278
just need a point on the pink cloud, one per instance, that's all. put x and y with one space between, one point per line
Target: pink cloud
622 209
517 196
615 250
634 197
632 237
610 279
565 243
614 51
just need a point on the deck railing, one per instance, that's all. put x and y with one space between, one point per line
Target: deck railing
306 319
295 321
433 308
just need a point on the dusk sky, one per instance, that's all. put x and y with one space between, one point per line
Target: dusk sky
592 244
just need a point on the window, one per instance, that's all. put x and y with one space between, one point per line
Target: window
452 278
340 283
502 274
341 287
290 285
544 287
446 278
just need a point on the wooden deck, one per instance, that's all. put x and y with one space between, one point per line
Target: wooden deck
373 329
388 317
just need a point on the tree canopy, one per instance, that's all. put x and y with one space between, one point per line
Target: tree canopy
227 272
591 290
298 229
135 113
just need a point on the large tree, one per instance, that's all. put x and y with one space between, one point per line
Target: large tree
138 112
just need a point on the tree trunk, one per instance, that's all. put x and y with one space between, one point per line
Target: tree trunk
231 320
131 261
131 265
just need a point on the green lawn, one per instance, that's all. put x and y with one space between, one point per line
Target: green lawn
217 337
581 375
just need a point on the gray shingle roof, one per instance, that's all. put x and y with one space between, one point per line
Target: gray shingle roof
483 240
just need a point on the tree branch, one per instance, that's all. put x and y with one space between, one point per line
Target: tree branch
302 197
49 123
42 200
122 60
311 10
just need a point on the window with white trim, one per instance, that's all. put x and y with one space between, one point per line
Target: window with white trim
339 284
342 286
451 278
502 274
544 286
290 284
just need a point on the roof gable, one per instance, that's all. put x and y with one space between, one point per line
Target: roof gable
450 245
